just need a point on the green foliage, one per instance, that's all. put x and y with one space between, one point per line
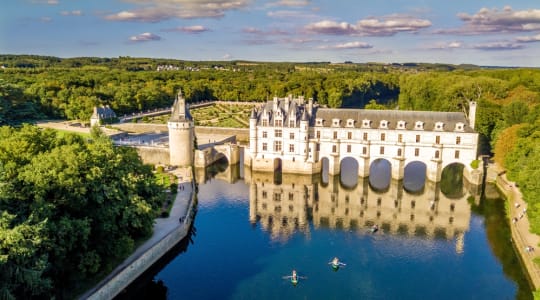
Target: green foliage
70 209
475 164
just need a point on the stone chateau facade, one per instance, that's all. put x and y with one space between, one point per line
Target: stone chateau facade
298 136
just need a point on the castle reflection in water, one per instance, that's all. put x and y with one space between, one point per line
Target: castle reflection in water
286 204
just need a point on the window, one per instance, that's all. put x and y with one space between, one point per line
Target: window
384 124
264 195
366 123
334 148
318 134
319 122
292 123
365 136
277 146
349 135
349 148
364 150
277 197
437 139
456 155
437 153
265 122
278 133
399 152
291 148
291 135
265 134
265 146
383 136
401 125
416 151
318 147
458 140
400 138
291 196
381 150
335 135
278 123
419 125
418 138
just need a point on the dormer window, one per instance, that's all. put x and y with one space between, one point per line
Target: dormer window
366 124
401 124
336 122
319 122
292 123
383 124
439 126
460 126
264 122
419 125
350 123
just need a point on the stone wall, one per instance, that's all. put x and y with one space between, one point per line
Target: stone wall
154 155
126 274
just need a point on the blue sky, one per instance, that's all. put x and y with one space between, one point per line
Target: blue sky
482 32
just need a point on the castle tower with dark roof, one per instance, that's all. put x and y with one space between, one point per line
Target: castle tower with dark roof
181 133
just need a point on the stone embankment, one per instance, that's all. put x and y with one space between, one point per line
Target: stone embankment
167 233
522 238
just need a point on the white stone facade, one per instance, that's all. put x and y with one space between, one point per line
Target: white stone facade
181 134
297 137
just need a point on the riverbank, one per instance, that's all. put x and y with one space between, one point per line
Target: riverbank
522 238
167 233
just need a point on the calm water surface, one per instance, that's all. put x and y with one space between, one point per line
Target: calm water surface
250 233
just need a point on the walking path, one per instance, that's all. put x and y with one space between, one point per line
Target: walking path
521 236
179 216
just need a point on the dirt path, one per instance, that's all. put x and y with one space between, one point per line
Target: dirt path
521 236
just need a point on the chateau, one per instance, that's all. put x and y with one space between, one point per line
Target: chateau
298 136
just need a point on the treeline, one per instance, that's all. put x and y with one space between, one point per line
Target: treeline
70 210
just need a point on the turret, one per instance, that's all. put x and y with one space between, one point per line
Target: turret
253 133
304 124
181 133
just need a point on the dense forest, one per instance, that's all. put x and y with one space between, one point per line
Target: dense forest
37 87
70 210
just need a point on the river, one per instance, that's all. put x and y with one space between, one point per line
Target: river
435 241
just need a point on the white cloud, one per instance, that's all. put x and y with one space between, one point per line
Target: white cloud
384 26
160 10
145 37
497 46
188 29
294 3
497 21
48 2
528 39
45 19
71 13
447 45
348 45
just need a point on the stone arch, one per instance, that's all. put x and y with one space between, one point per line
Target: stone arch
380 174
452 180
348 175
414 176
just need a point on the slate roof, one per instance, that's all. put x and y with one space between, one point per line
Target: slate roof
449 119
103 112
180 110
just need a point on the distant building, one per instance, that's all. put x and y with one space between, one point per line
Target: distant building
102 115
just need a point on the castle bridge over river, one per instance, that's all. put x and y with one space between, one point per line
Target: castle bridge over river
292 136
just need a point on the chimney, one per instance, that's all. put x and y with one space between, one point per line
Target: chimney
472 113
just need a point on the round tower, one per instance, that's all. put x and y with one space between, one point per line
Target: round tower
181 134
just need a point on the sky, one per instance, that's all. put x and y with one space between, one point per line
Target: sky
481 32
